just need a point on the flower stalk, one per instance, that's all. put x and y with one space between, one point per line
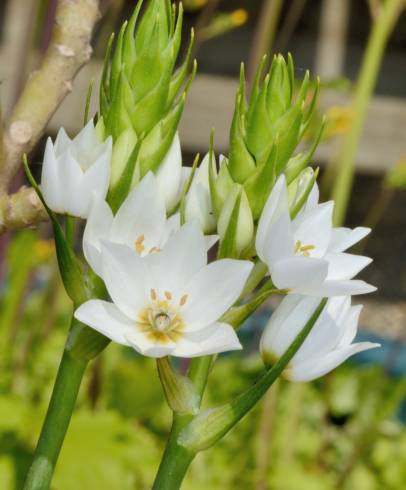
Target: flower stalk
344 166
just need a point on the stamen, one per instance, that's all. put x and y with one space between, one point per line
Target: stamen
153 294
183 300
154 249
168 295
139 245
303 249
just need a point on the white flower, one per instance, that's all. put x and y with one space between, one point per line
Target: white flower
329 343
74 170
306 254
140 223
171 175
198 199
169 302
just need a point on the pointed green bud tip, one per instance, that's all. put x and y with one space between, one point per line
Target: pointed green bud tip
236 225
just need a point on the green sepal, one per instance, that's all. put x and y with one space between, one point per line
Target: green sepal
288 128
260 130
241 162
157 142
69 267
220 186
279 91
116 63
120 191
186 188
84 342
211 425
228 242
259 185
300 161
235 224
256 86
179 391
180 74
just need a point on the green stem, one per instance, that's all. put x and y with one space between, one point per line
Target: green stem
56 423
206 428
176 459
366 82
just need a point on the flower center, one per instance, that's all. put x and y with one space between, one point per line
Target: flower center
303 249
161 321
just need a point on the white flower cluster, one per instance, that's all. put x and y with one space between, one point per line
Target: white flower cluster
165 297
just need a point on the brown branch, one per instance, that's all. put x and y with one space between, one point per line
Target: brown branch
68 51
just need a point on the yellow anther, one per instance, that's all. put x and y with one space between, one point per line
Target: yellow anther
153 294
303 249
139 244
154 249
168 295
183 300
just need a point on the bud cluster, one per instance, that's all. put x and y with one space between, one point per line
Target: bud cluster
139 100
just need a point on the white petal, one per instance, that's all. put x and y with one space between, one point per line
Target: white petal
62 142
198 199
211 240
147 347
340 288
279 243
286 322
219 337
141 214
213 290
169 174
343 238
350 325
50 180
317 367
106 318
276 205
71 178
172 225
183 255
98 227
127 278
299 273
96 179
315 228
342 266
87 146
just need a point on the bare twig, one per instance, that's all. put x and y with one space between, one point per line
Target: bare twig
67 52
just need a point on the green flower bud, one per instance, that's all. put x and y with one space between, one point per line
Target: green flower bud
235 225
139 90
266 131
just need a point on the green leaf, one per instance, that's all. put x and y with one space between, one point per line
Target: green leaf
70 270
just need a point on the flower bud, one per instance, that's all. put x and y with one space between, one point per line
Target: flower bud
74 170
235 225
266 131
139 90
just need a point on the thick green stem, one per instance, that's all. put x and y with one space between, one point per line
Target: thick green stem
365 85
56 423
176 459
